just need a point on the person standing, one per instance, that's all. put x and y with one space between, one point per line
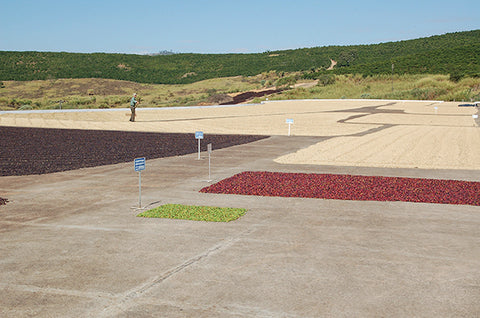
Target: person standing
133 105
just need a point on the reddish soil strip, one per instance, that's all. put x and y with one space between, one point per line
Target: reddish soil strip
348 187
25 151
243 97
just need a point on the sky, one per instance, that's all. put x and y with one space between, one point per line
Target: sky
223 26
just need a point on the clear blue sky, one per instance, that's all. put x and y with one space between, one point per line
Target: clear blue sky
223 26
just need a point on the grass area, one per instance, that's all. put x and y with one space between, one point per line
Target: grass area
397 87
194 213
91 93
105 93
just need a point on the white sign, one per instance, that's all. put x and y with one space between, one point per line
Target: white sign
139 164
474 116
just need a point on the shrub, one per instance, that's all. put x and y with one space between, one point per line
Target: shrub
211 91
365 96
115 100
456 77
326 79
17 103
25 107
464 95
81 101
419 93
285 82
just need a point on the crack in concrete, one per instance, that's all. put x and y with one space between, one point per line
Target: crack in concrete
58 291
127 299
65 226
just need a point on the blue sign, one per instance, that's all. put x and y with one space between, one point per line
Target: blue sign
139 164
289 121
199 135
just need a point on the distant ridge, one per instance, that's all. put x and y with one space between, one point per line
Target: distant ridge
451 53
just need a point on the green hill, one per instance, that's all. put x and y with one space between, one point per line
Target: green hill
452 53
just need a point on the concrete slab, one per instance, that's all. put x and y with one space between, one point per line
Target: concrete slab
72 246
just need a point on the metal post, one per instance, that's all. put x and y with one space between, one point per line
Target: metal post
289 121
139 166
140 189
199 149
209 150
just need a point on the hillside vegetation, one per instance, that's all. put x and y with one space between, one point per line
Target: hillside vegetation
105 93
456 54
444 67
397 87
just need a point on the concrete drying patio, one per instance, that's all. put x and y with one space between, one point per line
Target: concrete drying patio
72 246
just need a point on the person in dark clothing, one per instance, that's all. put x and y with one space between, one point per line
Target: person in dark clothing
133 105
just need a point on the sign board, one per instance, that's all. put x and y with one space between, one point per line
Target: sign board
139 164
474 116
209 148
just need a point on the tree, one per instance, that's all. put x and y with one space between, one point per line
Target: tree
346 58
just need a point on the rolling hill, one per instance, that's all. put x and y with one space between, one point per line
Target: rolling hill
452 53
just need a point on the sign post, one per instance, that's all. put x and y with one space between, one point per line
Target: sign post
139 164
209 148
199 136
289 121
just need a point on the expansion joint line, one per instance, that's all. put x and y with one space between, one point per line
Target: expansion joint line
128 298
